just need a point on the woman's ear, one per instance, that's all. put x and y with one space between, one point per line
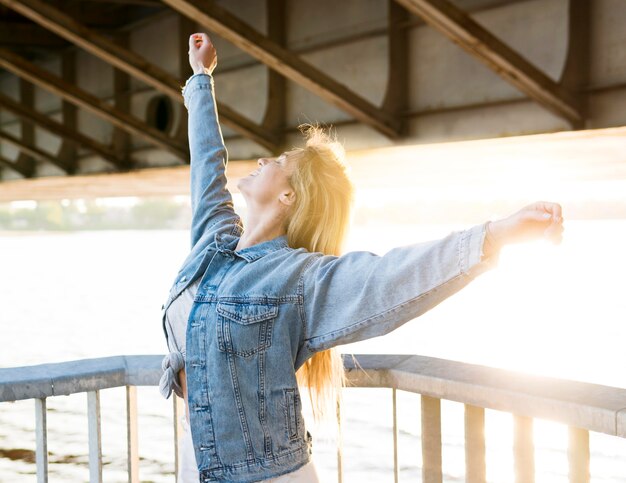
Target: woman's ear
287 198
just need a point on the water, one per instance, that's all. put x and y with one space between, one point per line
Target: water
555 311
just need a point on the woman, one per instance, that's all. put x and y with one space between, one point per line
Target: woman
251 308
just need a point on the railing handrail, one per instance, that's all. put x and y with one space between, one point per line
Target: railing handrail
63 378
583 405
578 404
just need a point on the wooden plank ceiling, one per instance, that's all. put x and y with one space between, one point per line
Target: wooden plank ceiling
35 30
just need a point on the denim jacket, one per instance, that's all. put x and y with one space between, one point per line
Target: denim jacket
261 312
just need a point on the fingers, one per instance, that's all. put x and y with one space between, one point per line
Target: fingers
197 40
553 210
557 211
192 41
544 218
538 215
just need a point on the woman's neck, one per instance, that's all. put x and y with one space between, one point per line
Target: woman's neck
259 229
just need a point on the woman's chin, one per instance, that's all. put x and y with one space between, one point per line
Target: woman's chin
241 185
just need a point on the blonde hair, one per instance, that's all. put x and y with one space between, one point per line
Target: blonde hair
319 222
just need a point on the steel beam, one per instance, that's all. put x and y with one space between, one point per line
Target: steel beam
217 19
397 95
17 34
27 131
138 3
499 57
65 26
33 151
577 69
276 110
15 166
185 27
62 131
67 152
121 100
41 77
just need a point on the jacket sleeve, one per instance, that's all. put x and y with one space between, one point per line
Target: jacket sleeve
210 199
361 295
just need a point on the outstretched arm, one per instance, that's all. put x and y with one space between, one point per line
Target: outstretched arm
210 199
361 295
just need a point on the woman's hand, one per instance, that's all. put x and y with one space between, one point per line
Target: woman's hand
539 220
202 54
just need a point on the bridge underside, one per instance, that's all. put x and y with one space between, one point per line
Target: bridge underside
90 87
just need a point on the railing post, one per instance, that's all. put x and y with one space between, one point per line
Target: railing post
524 450
179 410
132 434
41 436
396 469
431 440
475 463
578 455
95 437
339 444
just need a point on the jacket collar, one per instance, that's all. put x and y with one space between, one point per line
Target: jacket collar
227 243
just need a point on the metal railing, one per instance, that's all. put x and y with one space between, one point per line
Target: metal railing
89 376
583 407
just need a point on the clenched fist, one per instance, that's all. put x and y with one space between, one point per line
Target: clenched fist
202 54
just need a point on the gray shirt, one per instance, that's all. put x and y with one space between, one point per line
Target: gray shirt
176 317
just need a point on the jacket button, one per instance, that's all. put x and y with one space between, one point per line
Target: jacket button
183 279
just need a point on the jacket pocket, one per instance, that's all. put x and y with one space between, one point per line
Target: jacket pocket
293 413
245 329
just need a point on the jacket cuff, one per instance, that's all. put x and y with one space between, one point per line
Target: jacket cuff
195 82
473 261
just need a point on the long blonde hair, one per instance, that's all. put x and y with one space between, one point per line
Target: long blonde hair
319 222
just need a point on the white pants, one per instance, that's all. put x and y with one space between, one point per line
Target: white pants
188 470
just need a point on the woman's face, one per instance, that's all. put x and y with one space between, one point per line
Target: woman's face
269 183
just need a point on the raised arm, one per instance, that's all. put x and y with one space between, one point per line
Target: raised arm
210 199
361 295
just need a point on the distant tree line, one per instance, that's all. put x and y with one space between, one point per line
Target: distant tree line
146 214
170 213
